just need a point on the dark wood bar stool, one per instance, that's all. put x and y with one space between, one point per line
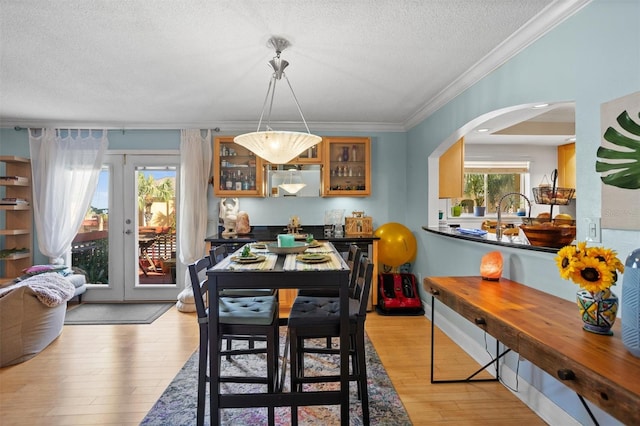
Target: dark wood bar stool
217 254
253 317
353 260
319 317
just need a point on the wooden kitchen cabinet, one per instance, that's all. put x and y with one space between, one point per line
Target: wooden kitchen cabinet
313 155
347 167
567 166
451 171
286 297
16 253
237 172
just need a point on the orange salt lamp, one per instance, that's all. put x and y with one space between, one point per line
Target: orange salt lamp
491 266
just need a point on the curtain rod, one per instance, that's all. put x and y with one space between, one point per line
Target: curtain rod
18 128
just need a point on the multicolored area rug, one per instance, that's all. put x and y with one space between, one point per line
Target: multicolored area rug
177 405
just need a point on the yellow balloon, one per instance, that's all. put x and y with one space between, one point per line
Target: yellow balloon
397 244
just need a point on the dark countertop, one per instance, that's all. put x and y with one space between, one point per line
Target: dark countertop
269 233
488 239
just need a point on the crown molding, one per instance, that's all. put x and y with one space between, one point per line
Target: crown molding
539 25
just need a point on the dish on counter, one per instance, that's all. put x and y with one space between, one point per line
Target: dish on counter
315 244
259 246
469 231
296 248
313 258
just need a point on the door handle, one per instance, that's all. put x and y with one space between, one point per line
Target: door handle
128 231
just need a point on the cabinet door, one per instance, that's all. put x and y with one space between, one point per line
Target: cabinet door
347 167
567 166
452 171
237 172
311 156
286 297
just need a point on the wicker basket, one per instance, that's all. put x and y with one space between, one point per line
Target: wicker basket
546 195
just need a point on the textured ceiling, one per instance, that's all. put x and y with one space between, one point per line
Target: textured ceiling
384 64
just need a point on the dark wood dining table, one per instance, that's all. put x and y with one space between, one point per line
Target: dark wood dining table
280 271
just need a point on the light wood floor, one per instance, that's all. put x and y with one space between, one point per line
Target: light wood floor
112 375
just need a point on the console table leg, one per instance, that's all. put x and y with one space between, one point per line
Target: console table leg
469 378
586 407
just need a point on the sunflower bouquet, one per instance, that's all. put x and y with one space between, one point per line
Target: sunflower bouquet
594 269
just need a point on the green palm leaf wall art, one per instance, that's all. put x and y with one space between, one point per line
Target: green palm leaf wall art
624 170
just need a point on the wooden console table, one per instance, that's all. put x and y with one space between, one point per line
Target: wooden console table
547 331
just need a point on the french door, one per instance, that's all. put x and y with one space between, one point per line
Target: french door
128 244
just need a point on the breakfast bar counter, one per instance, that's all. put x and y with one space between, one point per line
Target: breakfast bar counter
488 238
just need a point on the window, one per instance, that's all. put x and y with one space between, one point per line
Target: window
485 182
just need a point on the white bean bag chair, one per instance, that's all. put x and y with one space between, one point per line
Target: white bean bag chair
32 315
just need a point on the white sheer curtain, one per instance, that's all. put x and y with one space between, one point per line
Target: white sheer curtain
65 173
195 168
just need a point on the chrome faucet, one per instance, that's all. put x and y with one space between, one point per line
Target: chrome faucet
499 221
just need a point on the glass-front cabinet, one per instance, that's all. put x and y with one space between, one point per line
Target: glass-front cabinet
237 172
347 167
312 155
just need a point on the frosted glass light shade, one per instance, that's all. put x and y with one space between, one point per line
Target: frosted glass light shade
292 181
292 188
277 147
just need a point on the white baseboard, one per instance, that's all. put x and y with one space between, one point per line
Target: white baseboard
545 408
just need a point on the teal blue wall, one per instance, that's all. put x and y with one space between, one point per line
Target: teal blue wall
591 58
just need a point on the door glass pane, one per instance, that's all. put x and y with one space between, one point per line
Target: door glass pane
90 247
156 225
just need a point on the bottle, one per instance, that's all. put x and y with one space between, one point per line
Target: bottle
245 183
631 303
252 182
229 182
354 153
238 181
345 153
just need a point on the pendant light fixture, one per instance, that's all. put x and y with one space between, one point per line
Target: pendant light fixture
276 146
292 181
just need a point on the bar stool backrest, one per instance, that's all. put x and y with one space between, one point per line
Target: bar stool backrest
200 286
353 260
362 286
218 253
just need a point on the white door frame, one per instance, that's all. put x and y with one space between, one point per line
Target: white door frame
123 226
